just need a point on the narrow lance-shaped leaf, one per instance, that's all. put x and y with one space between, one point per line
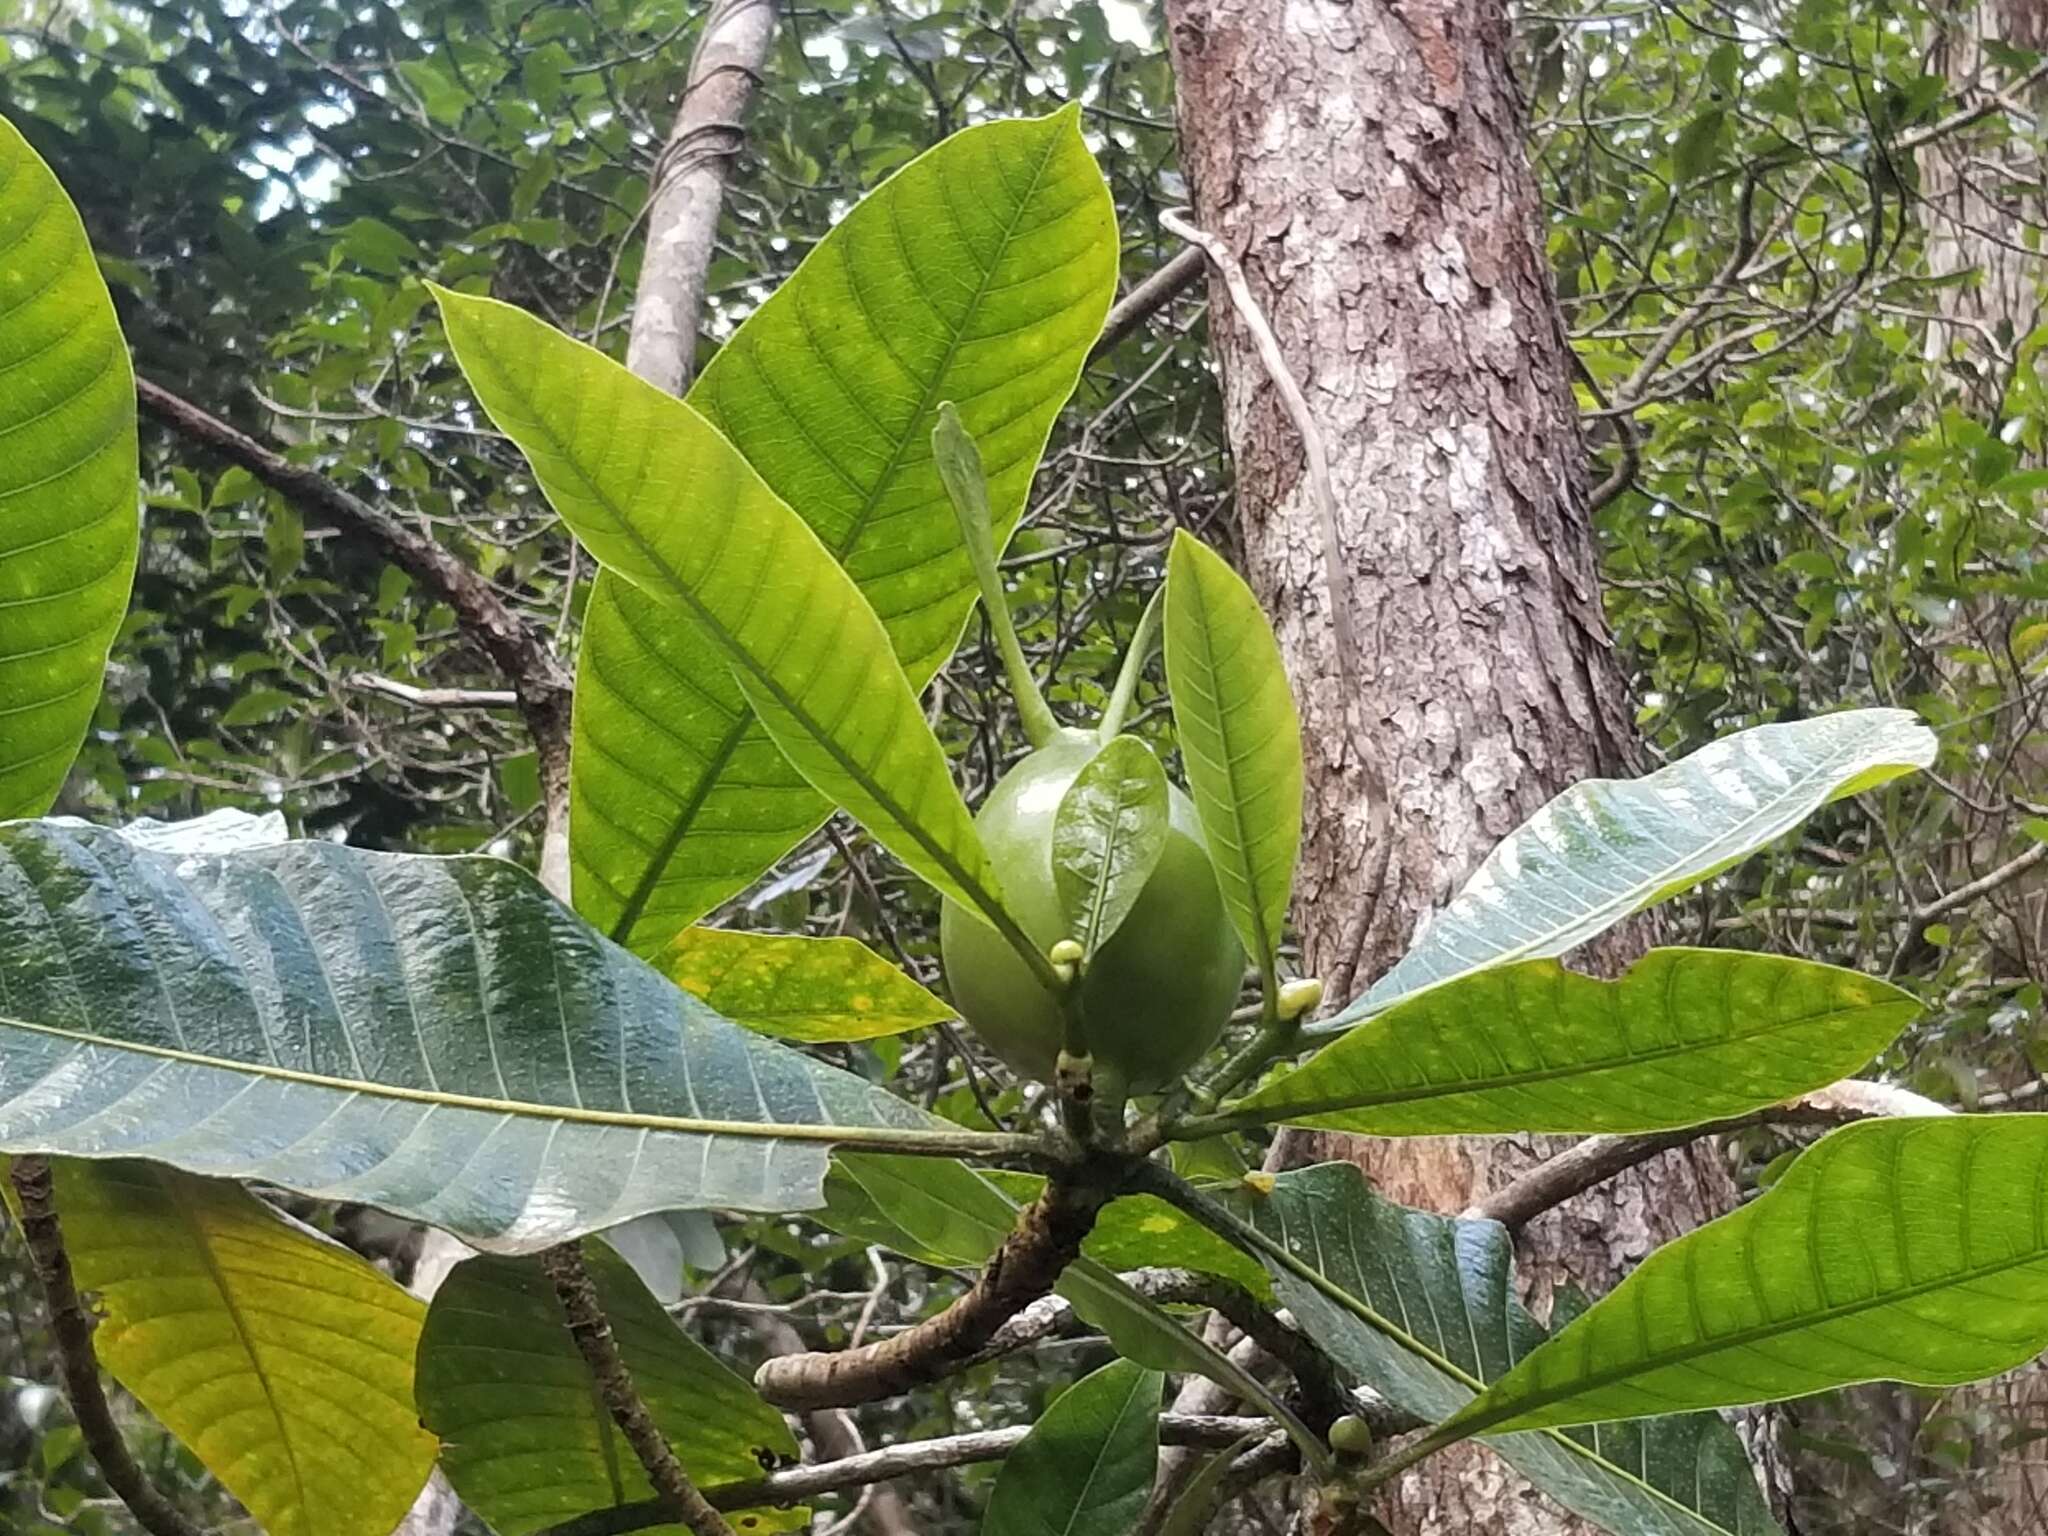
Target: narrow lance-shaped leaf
1445 1320
979 273
658 496
1087 1464
1610 847
799 988
435 1036
68 525
1239 736
528 1442
1107 836
283 1360
1908 1250
1686 1036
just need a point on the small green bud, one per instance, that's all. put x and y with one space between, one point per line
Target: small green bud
1298 997
1066 952
1351 1436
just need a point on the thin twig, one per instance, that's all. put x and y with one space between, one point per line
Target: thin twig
1165 285
1209 1431
1599 1158
71 1327
677 1494
519 650
434 698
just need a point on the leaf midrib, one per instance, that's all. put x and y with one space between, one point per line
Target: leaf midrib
1364 1311
1428 1091
657 868
940 1142
680 590
1682 1355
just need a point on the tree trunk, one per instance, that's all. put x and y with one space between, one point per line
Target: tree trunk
1366 164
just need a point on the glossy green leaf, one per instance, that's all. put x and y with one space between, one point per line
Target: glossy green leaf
1684 1037
978 273
799 988
1610 847
528 1443
435 1036
283 1360
1425 1312
1086 1468
1107 836
1239 737
1895 1250
68 524
658 496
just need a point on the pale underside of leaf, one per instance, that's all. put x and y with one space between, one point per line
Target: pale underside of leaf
1610 847
437 1037
1446 1319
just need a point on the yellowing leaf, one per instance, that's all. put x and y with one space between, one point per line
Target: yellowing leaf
283 1360
799 988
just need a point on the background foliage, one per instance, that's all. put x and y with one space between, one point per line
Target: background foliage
1819 462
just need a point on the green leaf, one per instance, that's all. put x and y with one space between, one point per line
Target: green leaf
283 1360
1239 737
1895 1250
1608 848
798 988
658 496
1684 1037
1423 1309
527 1442
1086 1468
69 528
830 391
435 1036
1107 836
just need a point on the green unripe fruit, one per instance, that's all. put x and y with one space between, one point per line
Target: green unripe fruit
1351 1436
1153 999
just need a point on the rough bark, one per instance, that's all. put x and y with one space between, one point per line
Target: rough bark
1365 162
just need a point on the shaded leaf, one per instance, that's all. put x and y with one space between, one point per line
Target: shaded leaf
658 496
438 1037
1610 847
1895 1250
68 521
799 988
1107 836
829 390
1684 1037
1088 1463
1446 1320
529 1444
1239 737
283 1360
